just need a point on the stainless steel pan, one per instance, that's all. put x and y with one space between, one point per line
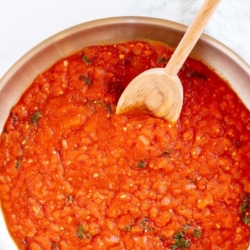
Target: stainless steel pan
112 30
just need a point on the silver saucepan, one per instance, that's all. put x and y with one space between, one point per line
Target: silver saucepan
112 30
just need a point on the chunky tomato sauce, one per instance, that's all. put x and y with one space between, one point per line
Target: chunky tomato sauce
74 175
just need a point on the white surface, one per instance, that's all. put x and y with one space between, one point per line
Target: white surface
24 24
230 24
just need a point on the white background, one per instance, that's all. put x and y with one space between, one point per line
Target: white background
25 23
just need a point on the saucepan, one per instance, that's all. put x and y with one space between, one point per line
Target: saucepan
112 30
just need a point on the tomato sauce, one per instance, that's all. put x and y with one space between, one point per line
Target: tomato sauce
74 175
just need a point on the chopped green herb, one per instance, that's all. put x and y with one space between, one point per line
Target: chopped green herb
144 225
86 80
86 60
167 152
35 117
162 60
245 204
98 102
245 219
244 207
143 222
54 246
18 163
180 243
179 234
197 75
108 108
141 164
82 234
128 228
197 233
180 239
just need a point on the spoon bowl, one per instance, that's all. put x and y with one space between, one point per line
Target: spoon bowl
159 91
154 92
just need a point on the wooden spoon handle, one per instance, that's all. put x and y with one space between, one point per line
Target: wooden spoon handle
191 37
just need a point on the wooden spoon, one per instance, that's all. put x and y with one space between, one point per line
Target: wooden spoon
159 91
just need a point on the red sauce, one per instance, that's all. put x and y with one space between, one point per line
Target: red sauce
73 175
